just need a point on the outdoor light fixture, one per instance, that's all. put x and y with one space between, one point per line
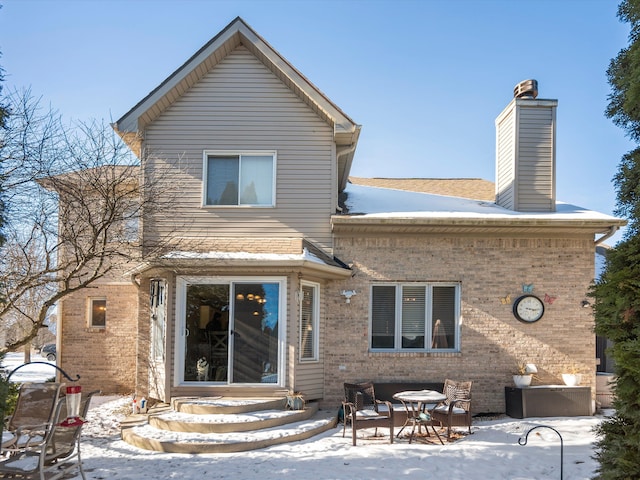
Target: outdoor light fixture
348 294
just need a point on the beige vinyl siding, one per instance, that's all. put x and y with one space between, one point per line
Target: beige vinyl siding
535 159
525 156
309 376
240 105
505 162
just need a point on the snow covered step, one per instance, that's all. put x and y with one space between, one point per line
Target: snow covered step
216 405
151 438
229 422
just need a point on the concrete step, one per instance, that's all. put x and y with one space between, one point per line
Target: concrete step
216 405
146 436
229 422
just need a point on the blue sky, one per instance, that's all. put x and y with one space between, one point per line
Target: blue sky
425 79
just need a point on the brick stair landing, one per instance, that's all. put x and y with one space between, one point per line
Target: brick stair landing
224 424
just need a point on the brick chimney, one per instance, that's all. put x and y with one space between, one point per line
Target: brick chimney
526 152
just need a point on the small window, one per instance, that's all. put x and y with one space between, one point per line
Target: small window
130 225
126 228
309 313
244 179
417 317
158 318
98 312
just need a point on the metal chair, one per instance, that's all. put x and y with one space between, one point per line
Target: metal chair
48 451
35 406
360 408
455 411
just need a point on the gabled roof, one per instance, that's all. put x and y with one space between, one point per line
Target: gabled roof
346 131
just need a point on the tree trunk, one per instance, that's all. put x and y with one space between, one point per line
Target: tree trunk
27 353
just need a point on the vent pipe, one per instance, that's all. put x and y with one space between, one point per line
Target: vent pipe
526 89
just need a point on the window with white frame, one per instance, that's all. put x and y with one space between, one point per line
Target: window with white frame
157 296
309 316
415 316
97 312
239 179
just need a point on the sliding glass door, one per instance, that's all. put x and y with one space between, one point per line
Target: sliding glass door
229 330
255 332
206 340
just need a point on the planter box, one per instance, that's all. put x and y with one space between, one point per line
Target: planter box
548 401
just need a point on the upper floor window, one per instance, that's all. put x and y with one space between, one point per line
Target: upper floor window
415 316
240 179
127 228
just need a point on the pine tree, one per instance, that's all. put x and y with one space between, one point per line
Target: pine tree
617 293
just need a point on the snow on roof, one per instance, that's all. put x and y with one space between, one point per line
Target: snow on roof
375 202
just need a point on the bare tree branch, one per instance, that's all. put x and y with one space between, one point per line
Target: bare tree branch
75 206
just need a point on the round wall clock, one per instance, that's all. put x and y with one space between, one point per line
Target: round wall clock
528 308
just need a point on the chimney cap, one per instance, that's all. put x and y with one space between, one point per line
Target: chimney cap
526 89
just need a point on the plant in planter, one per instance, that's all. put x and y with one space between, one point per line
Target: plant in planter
295 401
573 377
524 374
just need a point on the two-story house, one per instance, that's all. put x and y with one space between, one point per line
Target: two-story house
287 276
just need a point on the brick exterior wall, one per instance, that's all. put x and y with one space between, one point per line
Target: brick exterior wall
492 339
247 244
105 358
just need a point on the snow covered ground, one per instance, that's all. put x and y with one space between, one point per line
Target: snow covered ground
490 452
29 373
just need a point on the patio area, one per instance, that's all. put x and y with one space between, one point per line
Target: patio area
491 451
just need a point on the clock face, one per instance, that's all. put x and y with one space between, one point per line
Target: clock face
528 308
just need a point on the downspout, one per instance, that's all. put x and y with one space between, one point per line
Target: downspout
612 230
134 278
346 151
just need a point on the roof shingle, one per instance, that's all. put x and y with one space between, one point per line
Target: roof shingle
472 188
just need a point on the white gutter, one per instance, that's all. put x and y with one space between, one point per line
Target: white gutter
612 230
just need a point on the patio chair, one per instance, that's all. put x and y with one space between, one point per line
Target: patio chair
52 450
360 408
455 411
36 405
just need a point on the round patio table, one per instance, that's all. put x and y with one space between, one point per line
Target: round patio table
418 402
